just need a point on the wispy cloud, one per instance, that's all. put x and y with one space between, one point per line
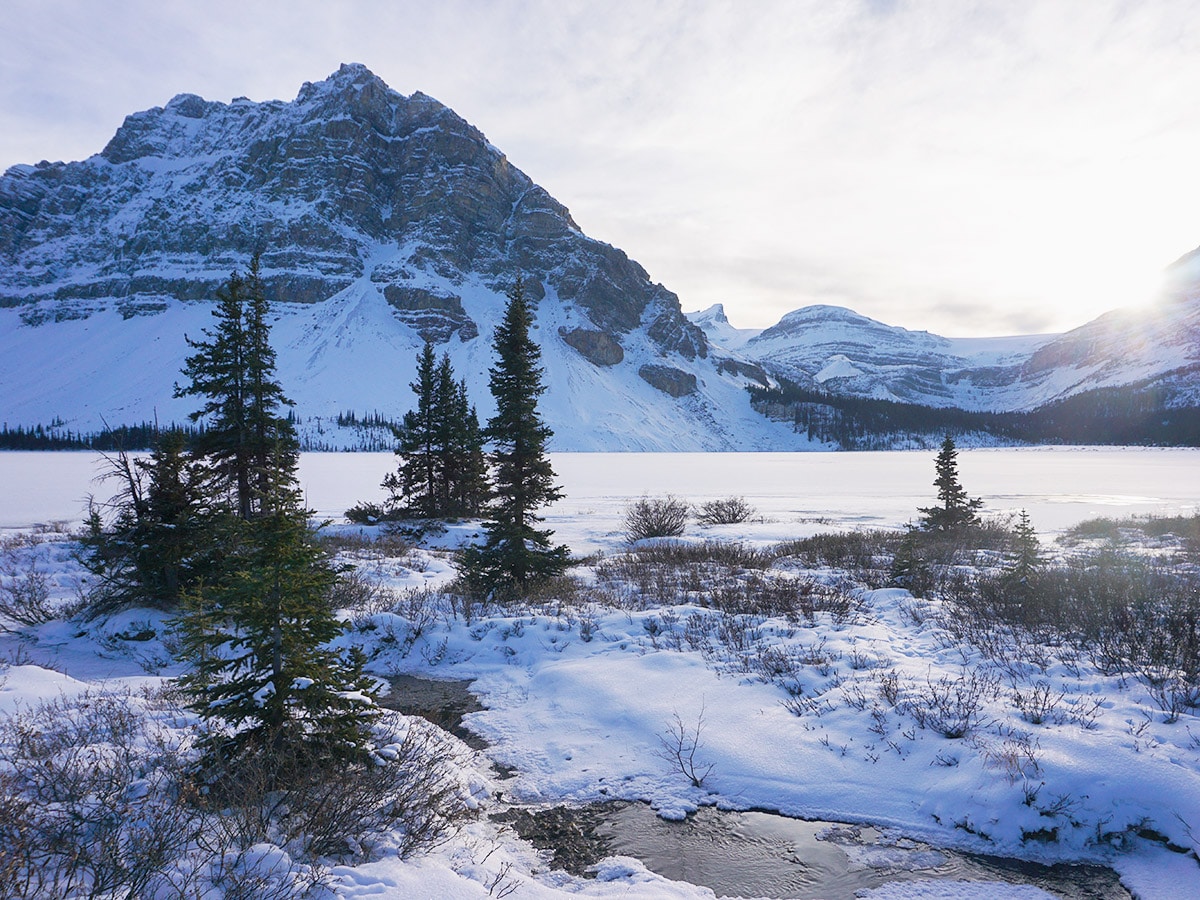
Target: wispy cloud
962 167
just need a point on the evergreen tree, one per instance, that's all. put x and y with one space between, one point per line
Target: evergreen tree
955 510
909 568
263 675
274 447
246 443
156 545
414 486
460 440
516 551
257 627
1026 557
442 471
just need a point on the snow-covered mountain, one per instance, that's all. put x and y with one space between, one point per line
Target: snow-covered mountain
384 221
838 350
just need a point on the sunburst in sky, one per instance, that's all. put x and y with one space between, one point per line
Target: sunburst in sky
982 168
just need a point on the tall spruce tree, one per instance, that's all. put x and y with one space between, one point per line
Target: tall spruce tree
516 551
274 447
247 443
414 486
257 627
954 510
464 485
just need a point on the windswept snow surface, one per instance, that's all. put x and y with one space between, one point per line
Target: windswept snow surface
579 695
350 354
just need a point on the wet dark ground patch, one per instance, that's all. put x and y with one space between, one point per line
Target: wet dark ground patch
444 703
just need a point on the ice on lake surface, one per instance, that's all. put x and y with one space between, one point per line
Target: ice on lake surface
794 493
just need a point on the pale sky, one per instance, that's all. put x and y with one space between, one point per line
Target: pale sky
967 168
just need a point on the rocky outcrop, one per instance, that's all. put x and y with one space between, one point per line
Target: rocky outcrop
435 317
669 380
744 369
598 347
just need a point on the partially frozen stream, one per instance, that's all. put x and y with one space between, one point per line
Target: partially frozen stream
753 854
765 855
757 854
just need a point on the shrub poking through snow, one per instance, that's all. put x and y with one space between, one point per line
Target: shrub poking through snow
655 517
727 511
96 801
24 587
680 744
88 803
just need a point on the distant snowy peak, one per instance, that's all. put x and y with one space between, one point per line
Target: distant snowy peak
823 326
1122 347
186 192
719 331
845 352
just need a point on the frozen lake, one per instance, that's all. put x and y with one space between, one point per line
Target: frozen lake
795 493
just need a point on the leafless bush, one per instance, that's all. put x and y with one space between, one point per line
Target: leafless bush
1017 758
889 688
387 544
1128 613
359 593
654 517
843 606
864 555
818 656
411 793
1180 531
96 801
25 598
953 707
727 511
24 588
778 665
721 573
724 554
1038 703
863 661
767 595
680 744
89 801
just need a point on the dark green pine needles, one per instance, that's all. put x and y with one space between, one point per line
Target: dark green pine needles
516 551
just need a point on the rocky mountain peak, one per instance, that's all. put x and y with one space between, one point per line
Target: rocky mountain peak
350 180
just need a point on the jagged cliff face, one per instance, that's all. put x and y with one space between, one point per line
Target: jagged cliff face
184 193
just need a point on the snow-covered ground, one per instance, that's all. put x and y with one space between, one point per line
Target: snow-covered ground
1058 486
580 693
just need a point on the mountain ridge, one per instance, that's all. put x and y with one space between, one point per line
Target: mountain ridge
383 221
837 349
387 220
